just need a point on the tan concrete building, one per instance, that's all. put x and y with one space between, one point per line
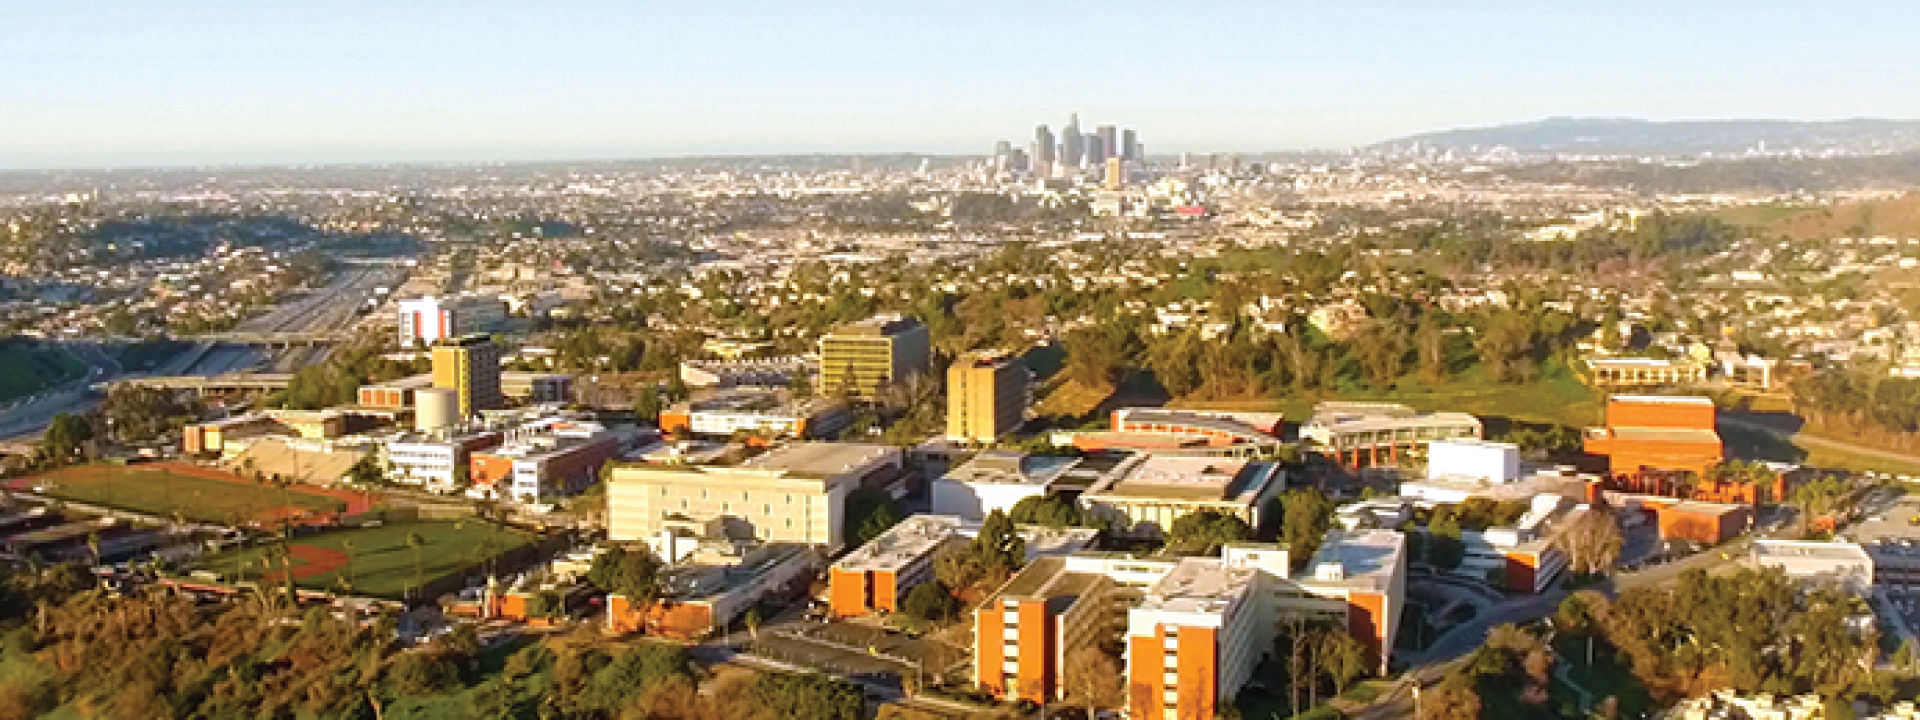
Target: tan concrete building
986 396
470 366
860 358
796 493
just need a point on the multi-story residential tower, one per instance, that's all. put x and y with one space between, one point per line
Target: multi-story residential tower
986 396
470 366
860 358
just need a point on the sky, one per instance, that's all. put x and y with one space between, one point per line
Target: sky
95 83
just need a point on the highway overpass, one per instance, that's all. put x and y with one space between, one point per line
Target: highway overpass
211 383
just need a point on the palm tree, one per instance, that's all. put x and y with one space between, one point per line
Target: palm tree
415 541
350 546
93 546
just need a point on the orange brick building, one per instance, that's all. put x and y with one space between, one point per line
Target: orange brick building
1191 631
1646 432
1025 632
710 590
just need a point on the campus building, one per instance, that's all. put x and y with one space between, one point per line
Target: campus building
1184 432
761 373
470 366
1195 638
1622 373
431 319
1147 493
543 460
877 576
705 591
433 459
1360 434
769 413
796 493
859 358
987 394
997 480
1657 433
1192 630
1847 564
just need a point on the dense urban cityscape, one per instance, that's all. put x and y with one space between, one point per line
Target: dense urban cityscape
1132 406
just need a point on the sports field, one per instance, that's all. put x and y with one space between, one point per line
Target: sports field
196 493
377 561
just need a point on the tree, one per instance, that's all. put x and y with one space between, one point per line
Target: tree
999 547
1444 549
647 403
416 542
1344 660
753 620
1092 358
65 438
1592 541
870 513
633 573
1306 516
930 602
1095 678
1430 340
1903 658
776 695
1049 510
366 471
1203 532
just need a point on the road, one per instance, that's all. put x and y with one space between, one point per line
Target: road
1452 648
23 420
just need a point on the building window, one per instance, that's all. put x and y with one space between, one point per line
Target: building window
766 509
683 503
703 493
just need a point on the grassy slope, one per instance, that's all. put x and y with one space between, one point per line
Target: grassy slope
25 370
1898 217
1555 397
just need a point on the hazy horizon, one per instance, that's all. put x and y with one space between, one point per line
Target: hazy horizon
120 85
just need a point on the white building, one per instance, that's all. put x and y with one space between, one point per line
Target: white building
1473 459
1840 562
996 480
430 319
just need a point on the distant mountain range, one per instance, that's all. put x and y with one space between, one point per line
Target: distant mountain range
1622 136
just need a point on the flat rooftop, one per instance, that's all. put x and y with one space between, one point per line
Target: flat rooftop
1179 477
1009 467
1046 578
916 536
1366 558
1639 362
1369 423
707 575
1663 399
876 326
821 459
1199 585
1664 435
902 544
1219 422
1791 549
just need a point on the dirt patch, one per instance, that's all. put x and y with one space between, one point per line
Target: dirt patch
310 561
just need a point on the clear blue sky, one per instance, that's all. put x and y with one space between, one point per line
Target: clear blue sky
141 82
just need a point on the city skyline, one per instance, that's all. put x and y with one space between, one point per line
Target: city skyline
117 84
